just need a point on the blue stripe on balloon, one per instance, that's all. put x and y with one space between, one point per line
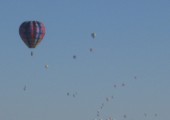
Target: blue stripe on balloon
27 32
39 33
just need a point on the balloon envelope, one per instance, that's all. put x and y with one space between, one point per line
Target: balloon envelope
32 33
93 35
46 66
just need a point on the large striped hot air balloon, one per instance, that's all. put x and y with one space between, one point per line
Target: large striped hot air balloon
32 33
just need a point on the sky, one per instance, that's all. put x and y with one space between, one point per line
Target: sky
125 77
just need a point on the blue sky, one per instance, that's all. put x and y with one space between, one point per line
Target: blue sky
132 40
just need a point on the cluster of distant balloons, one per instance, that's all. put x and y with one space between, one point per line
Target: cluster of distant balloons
93 35
33 32
108 99
72 94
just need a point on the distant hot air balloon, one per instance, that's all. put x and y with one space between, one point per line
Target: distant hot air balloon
93 35
135 77
74 56
145 114
68 93
124 116
123 84
25 87
107 99
46 66
91 49
156 115
74 95
114 86
32 33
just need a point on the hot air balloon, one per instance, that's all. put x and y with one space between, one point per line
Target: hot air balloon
46 66
124 116
74 56
32 33
107 99
145 114
25 87
91 49
68 93
123 84
93 35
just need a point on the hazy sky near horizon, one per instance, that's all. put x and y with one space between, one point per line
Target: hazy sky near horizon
127 73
